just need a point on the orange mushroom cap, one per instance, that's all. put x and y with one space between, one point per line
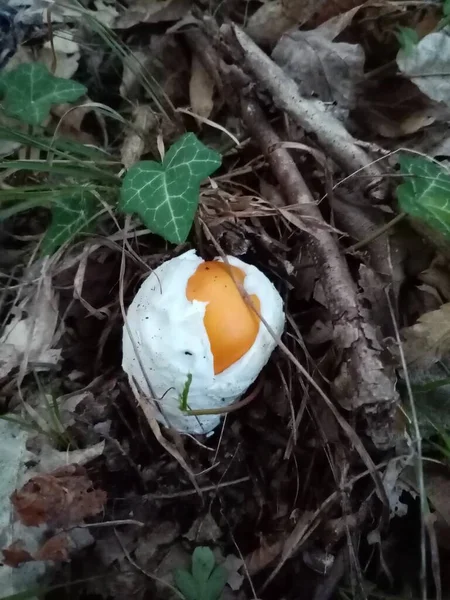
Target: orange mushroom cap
231 325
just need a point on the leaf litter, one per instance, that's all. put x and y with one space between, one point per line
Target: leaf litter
280 502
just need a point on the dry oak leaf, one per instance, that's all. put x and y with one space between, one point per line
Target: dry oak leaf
55 548
61 498
428 341
15 555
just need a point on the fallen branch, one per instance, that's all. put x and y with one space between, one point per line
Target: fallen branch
363 381
309 114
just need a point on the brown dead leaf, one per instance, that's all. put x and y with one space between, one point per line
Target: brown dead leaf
269 22
275 17
438 276
203 530
134 144
15 555
428 341
437 486
334 9
152 11
262 557
63 497
30 335
331 70
201 89
55 549
395 107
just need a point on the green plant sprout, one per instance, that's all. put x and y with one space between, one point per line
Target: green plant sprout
185 393
165 195
205 580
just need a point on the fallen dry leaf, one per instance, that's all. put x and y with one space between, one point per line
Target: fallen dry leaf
269 22
31 332
63 497
55 549
263 556
329 70
428 340
201 89
15 555
204 530
152 11
232 565
427 65
134 144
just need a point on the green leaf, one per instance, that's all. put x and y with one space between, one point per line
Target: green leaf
216 583
186 584
203 563
30 89
446 8
165 195
425 193
185 393
407 38
70 216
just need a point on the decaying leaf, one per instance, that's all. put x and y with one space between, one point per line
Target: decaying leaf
15 555
269 22
31 333
428 340
153 11
63 497
427 64
232 565
134 144
55 549
204 530
201 89
329 70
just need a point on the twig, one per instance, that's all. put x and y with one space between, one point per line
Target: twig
376 234
110 524
424 510
363 380
309 114
209 488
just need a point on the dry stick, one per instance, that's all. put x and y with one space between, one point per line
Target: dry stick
184 493
363 380
349 432
311 115
376 234
424 510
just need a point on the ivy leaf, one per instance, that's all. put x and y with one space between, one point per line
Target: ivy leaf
70 216
165 195
30 89
425 193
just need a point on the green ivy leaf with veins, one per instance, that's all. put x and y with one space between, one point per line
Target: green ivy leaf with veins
425 193
30 89
165 195
70 216
205 581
